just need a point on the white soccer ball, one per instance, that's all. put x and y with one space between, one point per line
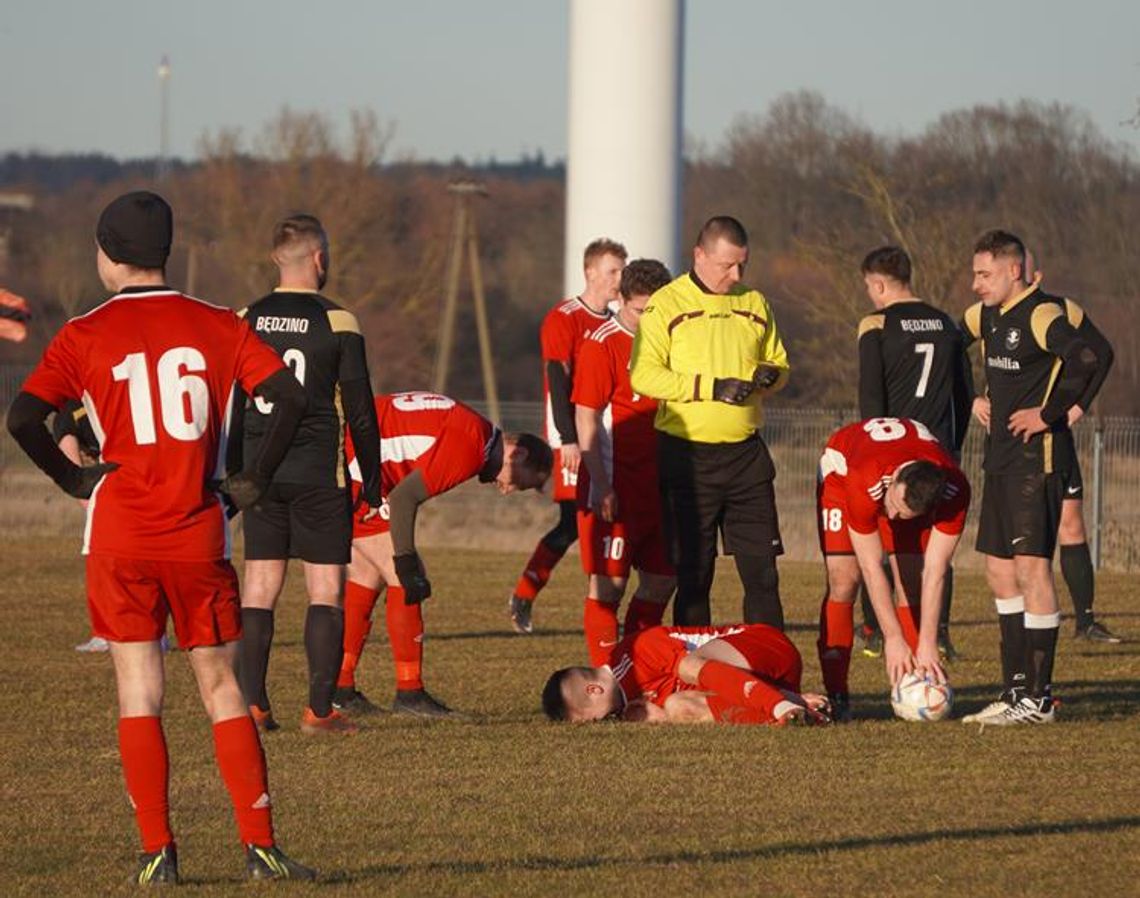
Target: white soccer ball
918 697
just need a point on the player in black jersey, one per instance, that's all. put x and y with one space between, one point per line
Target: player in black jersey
912 364
1037 368
306 512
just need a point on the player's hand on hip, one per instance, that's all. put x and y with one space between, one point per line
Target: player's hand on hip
1075 414
1026 422
410 571
732 390
981 410
897 655
373 512
571 457
607 506
244 488
84 481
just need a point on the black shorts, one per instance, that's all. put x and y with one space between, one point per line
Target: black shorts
708 488
313 523
1020 514
1075 483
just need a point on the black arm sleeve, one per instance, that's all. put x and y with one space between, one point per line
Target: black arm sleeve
289 402
360 410
235 449
560 405
27 422
872 389
962 395
1079 364
1104 359
403 503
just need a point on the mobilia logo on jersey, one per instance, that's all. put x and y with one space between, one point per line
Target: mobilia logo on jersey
1012 338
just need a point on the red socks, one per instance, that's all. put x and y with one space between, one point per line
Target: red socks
242 765
641 615
599 620
737 687
537 572
146 769
908 620
836 637
406 634
358 604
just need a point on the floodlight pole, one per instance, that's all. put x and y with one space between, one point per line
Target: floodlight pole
465 237
164 118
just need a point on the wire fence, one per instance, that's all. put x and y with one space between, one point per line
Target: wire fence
1108 448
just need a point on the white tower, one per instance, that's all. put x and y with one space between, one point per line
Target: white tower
623 177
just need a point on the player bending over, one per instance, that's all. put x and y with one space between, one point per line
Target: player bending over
886 486
429 444
740 674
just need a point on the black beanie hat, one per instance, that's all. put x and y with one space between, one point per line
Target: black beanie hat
137 229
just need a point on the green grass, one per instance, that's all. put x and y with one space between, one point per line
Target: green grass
508 804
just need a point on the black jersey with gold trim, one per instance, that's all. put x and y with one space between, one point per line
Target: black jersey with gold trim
322 344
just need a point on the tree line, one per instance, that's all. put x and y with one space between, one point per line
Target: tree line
816 189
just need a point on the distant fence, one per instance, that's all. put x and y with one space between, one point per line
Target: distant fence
1109 451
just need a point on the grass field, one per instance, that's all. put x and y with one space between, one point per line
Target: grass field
509 804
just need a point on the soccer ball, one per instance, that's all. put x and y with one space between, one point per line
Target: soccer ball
919 697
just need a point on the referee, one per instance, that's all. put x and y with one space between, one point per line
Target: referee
707 349
306 512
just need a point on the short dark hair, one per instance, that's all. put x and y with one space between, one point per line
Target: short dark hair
924 482
553 701
889 261
722 226
1000 243
539 455
297 228
603 246
643 277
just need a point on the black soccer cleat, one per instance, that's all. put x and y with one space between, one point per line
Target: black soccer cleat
945 646
353 702
1098 632
418 703
272 863
520 614
839 707
157 867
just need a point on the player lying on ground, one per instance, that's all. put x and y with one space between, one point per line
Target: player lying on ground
886 486
429 444
619 506
740 674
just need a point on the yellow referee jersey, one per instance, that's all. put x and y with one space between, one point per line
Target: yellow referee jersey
686 339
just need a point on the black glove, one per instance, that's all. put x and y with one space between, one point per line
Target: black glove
244 488
81 482
417 588
764 376
732 390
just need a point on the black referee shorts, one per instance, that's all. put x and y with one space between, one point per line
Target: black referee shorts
711 488
313 523
1020 514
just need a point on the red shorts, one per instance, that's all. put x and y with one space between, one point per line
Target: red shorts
907 537
770 654
362 528
129 599
635 541
565 484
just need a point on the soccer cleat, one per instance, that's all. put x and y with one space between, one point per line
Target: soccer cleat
1026 710
94 644
872 642
1006 700
840 707
520 615
350 700
1097 632
263 719
273 863
418 703
157 867
945 646
335 724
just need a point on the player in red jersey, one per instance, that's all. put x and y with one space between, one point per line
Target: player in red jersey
619 506
740 674
563 331
886 486
429 444
156 371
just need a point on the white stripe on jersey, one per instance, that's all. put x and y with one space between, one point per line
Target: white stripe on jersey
832 462
405 448
354 471
877 489
623 667
694 641
147 295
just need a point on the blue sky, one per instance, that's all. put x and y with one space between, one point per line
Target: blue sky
488 78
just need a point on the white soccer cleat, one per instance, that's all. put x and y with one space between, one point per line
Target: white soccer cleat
94 644
1027 710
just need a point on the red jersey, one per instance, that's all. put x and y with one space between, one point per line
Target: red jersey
563 330
445 440
645 663
864 457
627 440
155 370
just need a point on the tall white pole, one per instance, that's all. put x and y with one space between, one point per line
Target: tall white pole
164 117
623 177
